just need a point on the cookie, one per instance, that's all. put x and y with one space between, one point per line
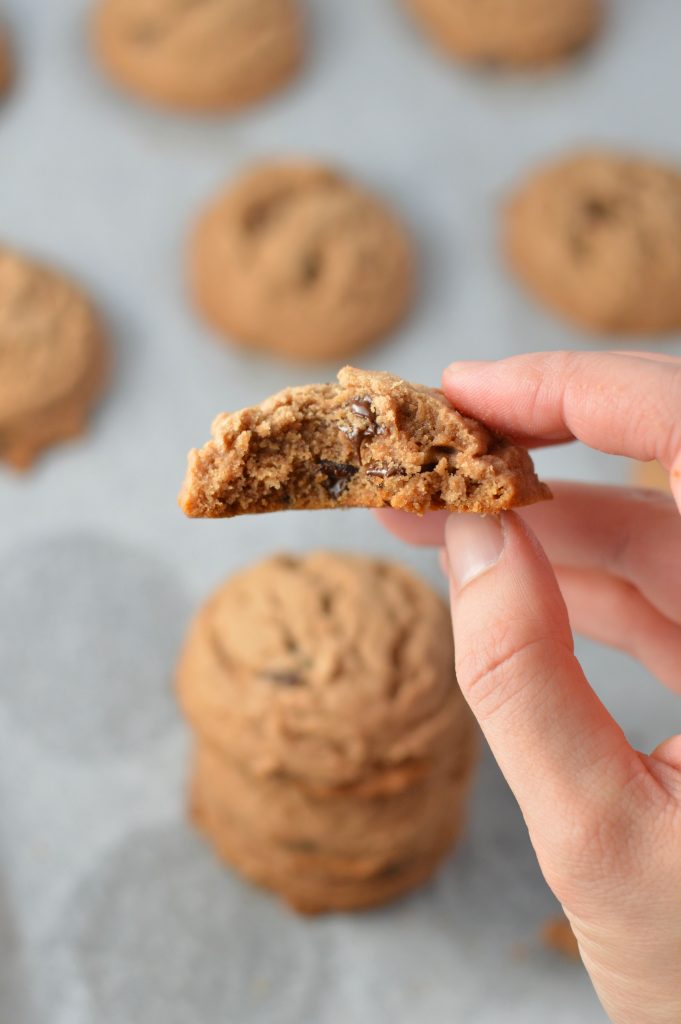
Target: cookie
200 55
557 935
295 259
652 475
6 61
52 359
597 237
513 33
334 749
370 441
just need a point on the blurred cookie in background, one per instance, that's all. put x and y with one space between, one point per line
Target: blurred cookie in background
557 934
53 359
334 748
512 33
6 59
596 236
650 474
296 259
222 55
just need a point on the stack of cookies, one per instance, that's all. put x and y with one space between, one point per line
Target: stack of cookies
334 748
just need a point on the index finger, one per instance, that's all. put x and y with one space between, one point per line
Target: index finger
621 404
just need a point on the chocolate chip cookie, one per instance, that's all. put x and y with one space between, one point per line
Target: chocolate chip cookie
522 33
52 359
370 441
295 259
200 54
597 237
334 749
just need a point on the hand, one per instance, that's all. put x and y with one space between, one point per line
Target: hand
604 819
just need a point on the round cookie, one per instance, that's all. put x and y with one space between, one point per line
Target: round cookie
335 750
52 359
597 237
521 33
295 259
200 56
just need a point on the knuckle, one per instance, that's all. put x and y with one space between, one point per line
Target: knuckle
495 671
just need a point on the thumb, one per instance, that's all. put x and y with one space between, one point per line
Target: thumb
564 757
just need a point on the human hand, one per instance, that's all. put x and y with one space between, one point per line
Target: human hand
604 819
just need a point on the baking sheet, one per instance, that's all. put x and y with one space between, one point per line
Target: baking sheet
111 910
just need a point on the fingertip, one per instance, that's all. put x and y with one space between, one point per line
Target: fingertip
456 372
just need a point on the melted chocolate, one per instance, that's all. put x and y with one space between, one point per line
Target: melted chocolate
386 471
362 407
338 476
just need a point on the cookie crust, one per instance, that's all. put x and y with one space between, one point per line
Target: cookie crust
201 55
295 259
597 237
511 33
334 748
53 359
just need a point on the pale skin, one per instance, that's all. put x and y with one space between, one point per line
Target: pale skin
604 818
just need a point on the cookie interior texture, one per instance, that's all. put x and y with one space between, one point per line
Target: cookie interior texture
370 441
334 748
521 33
296 259
200 55
53 358
597 237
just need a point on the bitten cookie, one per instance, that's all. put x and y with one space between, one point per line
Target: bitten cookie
205 55
597 236
508 32
52 359
334 748
295 259
370 441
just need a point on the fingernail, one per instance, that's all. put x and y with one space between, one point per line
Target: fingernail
474 545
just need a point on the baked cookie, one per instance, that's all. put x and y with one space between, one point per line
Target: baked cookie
200 55
651 474
6 61
521 33
295 259
52 359
334 748
370 441
597 236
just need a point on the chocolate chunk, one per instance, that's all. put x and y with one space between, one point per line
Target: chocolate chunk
428 467
338 475
386 471
362 407
283 678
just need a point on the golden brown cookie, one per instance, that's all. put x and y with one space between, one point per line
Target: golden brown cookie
597 236
52 359
522 33
370 441
651 474
295 259
6 61
335 750
200 54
